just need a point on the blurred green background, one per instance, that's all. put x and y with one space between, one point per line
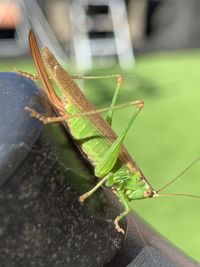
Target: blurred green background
165 137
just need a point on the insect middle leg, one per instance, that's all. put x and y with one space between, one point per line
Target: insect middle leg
120 80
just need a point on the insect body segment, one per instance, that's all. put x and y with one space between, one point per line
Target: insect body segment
105 151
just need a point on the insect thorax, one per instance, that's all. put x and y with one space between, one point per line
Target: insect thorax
130 184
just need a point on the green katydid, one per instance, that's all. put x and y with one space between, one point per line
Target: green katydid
111 161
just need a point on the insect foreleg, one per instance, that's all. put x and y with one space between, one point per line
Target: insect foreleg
30 76
33 77
120 80
123 214
118 218
89 193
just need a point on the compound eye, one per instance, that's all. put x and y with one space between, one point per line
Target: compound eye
148 193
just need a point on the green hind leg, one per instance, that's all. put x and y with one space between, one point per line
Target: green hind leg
110 110
120 80
111 155
47 120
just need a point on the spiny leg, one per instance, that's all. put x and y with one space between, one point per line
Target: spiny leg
109 159
47 120
95 188
109 115
110 110
120 80
30 76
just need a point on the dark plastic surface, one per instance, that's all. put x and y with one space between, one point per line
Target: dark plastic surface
42 223
144 247
17 133
42 174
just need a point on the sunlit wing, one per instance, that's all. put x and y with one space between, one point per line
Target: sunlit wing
55 101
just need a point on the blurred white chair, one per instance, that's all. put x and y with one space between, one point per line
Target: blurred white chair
100 30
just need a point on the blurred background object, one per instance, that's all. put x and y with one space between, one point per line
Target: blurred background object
104 32
97 32
14 31
10 15
173 24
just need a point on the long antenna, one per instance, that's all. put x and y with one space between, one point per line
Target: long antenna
178 195
179 175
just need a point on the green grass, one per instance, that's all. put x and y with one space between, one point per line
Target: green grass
165 137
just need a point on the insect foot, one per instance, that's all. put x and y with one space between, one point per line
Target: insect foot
83 197
139 104
32 77
37 115
120 79
117 227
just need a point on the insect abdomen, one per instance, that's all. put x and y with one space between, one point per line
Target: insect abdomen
91 141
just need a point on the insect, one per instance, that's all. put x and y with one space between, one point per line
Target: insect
96 139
